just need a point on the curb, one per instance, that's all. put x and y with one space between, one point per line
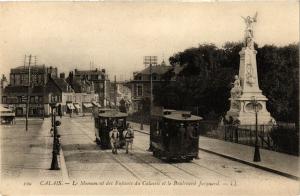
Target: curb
290 176
63 166
141 131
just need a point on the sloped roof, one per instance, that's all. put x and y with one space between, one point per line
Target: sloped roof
62 84
77 84
178 68
157 69
21 90
16 89
33 69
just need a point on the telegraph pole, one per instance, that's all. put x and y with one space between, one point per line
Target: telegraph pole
28 92
115 91
150 60
24 61
35 60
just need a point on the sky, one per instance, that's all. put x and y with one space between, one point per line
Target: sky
117 35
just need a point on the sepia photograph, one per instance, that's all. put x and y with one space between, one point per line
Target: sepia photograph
149 98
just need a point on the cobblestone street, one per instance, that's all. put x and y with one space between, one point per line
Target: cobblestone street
85 163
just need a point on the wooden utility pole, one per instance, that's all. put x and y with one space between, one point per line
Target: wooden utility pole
35 60
150 60
24 61
115 91
28 92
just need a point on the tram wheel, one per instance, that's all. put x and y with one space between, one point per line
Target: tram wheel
168 159
154 153
188 159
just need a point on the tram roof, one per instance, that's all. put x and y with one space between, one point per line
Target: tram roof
113 114
106 109
182 116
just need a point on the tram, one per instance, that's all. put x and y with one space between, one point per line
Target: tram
174 135
104 122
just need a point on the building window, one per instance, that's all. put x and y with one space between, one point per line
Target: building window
12 79
40 99
4 99
25 79
17 79
101 85
31 99
36 99
19 99
39 79
22 82
139 90
154 77
33 78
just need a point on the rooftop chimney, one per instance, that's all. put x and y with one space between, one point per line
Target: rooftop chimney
62 75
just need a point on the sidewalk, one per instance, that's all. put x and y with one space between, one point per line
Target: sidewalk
38 160
279 163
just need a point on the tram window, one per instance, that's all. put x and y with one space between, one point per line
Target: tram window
157 128
120 122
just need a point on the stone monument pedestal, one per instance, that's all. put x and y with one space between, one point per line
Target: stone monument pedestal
244 111
245 90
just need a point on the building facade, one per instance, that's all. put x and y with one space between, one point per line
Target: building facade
59 90
85 97
141 87
100 80
15 95
120 91
3 84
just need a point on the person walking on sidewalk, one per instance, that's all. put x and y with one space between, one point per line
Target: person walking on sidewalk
128 135
59 111
114 138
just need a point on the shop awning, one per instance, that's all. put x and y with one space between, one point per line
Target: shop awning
96 104
3 109
77 105
87 105
5 114
70 106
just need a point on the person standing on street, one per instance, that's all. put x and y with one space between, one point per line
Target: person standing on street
128 136
59 110
114 138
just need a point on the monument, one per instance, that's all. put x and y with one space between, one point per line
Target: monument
245 88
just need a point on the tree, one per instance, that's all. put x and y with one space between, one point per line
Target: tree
208 72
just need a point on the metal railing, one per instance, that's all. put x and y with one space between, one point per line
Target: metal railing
279 138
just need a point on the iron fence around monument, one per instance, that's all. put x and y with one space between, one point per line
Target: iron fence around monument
280 138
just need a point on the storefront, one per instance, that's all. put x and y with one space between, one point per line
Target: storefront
77 108
87 107
96 104
70 108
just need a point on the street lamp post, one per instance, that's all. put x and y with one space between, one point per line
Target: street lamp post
55 151
256 151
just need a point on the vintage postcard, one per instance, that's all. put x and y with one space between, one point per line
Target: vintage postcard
149 98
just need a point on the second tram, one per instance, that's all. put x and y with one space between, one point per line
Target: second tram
174 135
